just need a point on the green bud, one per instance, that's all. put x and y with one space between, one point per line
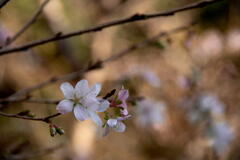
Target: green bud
60 131
52 130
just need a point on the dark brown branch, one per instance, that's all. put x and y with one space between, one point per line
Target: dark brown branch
97 65
134 18
27 25
44 119
3 3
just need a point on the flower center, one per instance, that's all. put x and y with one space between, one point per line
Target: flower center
76 101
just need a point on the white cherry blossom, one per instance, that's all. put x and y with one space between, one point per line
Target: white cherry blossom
83 101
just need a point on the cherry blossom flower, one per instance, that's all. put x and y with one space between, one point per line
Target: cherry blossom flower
115 124
83 101
146 74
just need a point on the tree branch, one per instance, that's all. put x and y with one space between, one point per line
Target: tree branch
3 3
44 119
134 18
27 25
18 96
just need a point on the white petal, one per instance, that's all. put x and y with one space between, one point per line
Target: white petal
120 127
94 91
68 90
65 106
104 104
112 122
123 118
95 118
81 88
80 113
91 103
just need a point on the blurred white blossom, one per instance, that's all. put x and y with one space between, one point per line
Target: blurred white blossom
147 74
82 101
220 135
211 103
233 39
207 45
150 113
204 106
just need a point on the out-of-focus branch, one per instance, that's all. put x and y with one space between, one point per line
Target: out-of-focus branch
43 101
146 42
36 154
77 74
29 100
66 77
3 3
134 18
96 65
19 96
44 119
33 19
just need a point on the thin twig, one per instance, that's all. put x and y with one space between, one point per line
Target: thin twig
3 3
19 95
134 18
44 119
27 25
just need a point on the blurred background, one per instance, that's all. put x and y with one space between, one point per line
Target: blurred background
188 81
